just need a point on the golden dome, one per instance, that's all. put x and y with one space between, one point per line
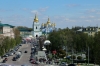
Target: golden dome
48 21
54 24
42 24
45 24
36 19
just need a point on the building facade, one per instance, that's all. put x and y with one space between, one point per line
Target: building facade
6 30
91 31
47 27
42 29
36 28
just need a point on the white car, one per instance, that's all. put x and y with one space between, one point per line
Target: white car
63 64
11 54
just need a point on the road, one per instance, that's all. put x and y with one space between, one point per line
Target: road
24 59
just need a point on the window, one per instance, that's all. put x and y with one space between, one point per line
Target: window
36 35
36 27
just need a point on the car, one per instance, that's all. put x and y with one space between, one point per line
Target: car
25 52
6 55
34 62
14 59
63 64
11 53
31 59
24 65
18 56
6 59
20 45
71 65
20 51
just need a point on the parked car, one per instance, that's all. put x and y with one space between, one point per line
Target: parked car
14 59
63 64
25 52
20 45
4 61
6 55
71 65
11 53
34 62
31 59
18 56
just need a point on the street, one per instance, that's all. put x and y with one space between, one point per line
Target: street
24 59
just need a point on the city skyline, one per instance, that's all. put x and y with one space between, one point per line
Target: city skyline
64 13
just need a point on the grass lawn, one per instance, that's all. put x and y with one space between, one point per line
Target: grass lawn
86 65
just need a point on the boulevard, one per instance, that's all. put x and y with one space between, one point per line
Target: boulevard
25 57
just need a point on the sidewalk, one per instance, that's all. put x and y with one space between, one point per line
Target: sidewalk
88 65
1 60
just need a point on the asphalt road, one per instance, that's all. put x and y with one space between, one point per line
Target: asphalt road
24 59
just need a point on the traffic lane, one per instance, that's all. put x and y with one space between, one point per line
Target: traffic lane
26 56
11 57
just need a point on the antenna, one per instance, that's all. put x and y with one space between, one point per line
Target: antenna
97 25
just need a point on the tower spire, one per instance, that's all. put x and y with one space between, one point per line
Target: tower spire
48 21
36 19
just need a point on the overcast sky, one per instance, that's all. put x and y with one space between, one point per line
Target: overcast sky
65 13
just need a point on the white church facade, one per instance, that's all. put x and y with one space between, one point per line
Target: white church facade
42 29
36 28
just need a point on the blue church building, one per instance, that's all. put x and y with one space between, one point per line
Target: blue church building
42 29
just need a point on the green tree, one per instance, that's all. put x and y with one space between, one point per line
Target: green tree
97 48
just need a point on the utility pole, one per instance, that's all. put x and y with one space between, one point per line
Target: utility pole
88 55
72 55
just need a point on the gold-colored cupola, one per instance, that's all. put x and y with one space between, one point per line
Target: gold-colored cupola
42 24
54 24
48 21
36 19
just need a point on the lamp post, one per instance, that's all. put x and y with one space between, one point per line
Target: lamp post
88 55
72 55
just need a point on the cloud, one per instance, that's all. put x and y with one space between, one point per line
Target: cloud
98 19
91 11
35 11
82 17
3 10
98 13
45 17
88 20
73 5
39 11
43 9
25 9
66 19
91 16
12 21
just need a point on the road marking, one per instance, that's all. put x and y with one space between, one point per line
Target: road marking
20 57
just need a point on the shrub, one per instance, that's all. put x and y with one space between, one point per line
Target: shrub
79 57
73 57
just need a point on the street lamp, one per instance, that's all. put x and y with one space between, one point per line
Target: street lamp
88 55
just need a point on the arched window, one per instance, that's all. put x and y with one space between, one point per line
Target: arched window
36 27
36 35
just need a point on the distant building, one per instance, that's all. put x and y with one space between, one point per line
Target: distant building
24 32
43 29
6 30
36 28
91 31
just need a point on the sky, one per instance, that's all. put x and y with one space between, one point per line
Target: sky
64 13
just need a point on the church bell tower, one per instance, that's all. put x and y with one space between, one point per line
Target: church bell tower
36 27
